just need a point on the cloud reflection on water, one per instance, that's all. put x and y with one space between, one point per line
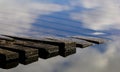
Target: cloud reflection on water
18 17
98 14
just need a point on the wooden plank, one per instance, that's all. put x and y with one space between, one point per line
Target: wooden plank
90 39
66 48
8 55
82 43
79 43
2 41
45 50
8 59
30 59
24 52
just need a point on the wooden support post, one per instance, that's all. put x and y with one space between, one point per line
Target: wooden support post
8 59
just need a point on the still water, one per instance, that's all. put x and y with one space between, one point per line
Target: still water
35 18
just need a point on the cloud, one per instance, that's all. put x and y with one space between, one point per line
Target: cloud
98 14
98 33
17 16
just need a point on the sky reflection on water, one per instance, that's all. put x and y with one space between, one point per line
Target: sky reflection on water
36 18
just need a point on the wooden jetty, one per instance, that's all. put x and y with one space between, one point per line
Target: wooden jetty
66 48
24 50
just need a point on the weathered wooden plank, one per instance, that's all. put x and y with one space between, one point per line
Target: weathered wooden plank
82 43
8 55
90 39
24 52
8 59
65 47
30 59
79 43
45 50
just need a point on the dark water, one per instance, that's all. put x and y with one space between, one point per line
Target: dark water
37 18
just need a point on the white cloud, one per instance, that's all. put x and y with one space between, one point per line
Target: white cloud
85 3
99 14
98 33
17 16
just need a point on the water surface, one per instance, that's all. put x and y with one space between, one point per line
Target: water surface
37 18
